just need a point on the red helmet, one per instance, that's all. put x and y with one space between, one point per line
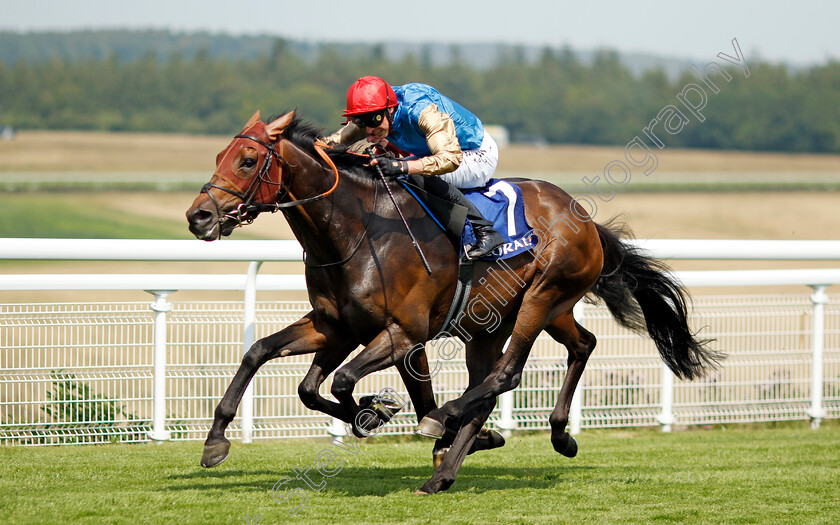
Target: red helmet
369 94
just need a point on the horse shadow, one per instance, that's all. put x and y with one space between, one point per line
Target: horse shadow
374 480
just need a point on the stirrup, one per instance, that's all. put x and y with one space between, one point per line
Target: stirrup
492 245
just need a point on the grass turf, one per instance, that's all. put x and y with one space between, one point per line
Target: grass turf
770 475
70 215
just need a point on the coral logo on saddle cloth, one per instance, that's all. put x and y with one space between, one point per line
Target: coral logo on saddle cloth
501 203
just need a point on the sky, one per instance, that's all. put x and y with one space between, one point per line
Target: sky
801 32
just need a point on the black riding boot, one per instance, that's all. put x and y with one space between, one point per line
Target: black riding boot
487 239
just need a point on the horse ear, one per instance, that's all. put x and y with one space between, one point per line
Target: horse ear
254 119
274 129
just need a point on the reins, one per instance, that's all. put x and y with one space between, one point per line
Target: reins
358 243
319 148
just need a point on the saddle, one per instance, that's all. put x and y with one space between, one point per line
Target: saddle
499 202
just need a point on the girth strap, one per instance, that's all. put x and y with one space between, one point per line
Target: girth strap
466 269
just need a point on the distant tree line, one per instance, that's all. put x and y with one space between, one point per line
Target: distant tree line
555 98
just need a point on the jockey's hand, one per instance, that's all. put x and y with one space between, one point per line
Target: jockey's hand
382 143
392 167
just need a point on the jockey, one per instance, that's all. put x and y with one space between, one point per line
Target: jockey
445 139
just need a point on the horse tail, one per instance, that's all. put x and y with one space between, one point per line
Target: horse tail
642 296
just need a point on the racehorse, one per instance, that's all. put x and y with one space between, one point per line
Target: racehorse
367 286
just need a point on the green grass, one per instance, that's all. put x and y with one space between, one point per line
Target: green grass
63 215
770 475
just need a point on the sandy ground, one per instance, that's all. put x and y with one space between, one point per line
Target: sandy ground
749 215
575 158
762 215
74 151
33 151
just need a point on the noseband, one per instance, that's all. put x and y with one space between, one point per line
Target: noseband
248 209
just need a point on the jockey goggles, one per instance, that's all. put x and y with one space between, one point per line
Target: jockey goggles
369 120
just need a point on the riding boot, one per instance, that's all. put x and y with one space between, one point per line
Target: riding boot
487 239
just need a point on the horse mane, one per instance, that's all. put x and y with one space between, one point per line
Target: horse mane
304 134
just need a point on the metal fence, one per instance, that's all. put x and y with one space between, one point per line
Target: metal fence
83 373
92 372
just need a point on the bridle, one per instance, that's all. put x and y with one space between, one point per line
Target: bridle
249 208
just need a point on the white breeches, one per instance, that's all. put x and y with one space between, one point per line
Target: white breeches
477 166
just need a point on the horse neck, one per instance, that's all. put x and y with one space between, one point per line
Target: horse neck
328 228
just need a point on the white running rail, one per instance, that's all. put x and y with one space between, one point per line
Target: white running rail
256 252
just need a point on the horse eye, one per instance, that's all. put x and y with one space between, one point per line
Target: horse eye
249 162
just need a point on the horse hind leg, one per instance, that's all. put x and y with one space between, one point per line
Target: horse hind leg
486 439
580 343
506 371
451 462
482 352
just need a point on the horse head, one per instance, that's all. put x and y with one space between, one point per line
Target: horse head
250 174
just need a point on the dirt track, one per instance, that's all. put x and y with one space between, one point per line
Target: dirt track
87 151
761 215
751 215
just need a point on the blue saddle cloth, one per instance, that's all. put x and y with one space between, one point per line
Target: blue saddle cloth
501 203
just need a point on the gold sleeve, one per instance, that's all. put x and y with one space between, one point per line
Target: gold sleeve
347 134
443 143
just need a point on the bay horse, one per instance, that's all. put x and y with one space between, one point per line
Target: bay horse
368 287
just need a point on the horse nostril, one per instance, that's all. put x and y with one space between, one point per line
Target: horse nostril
200 216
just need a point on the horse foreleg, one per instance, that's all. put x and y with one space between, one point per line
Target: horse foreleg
580 343
298 338
323 364
419 390
387 349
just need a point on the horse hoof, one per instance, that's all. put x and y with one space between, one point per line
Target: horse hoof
383 407
487 440
438 456
430 428
565 445
215 454
421 493
367 423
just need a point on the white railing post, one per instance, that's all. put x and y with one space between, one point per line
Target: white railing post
666 417
506 422
338 429
818 298
249 319
576 409
161 306
576 412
